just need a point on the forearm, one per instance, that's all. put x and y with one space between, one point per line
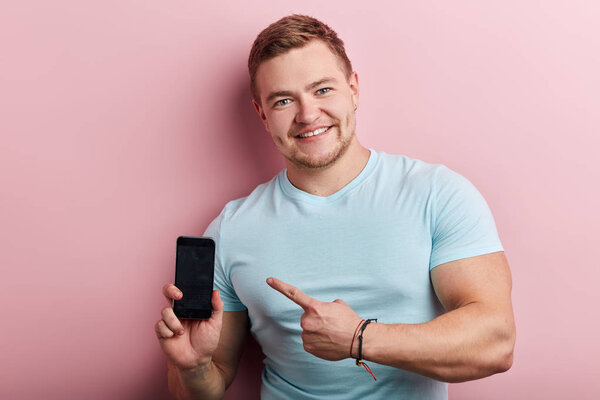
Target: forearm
467 343
208 383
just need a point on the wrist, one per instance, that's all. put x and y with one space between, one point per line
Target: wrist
354 342
369 343
204 381
194 373
361 329
358 351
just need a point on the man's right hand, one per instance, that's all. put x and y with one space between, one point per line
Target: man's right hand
189 343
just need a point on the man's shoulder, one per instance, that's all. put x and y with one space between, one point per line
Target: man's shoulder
260 197
413 170
246 210
429 179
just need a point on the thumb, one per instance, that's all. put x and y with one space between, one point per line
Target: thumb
218 306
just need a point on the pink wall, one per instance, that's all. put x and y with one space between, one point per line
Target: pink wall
124 124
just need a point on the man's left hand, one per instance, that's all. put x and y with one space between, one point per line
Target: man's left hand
327 328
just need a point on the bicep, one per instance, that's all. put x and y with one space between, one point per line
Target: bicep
484 279
233 336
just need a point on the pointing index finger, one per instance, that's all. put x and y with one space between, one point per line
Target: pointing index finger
291 292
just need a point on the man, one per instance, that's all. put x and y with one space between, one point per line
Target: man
342 235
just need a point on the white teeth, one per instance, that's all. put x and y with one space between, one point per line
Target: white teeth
313 133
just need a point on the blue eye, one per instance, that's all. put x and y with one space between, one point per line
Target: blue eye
282 102
324 90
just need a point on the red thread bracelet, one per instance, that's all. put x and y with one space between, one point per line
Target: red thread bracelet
353 337
364 364
363 324
359 362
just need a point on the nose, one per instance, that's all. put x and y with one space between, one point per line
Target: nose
308 111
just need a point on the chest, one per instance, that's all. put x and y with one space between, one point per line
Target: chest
378 262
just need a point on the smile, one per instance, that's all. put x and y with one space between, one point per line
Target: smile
314 133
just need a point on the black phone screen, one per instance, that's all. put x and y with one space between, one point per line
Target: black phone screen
194 271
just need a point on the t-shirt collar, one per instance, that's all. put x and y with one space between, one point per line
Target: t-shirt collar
298 194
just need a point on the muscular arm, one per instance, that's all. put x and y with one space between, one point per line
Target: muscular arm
474 339
211 382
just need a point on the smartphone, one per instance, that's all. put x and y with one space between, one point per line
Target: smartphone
194 273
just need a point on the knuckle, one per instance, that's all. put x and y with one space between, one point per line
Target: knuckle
309 326
306 322
162 330
166 312
303 325
306 346
314 307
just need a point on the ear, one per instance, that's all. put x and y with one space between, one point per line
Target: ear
261 114
353 82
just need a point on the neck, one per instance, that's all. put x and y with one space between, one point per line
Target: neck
326 181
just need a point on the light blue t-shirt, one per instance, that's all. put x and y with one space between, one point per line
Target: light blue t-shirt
371 244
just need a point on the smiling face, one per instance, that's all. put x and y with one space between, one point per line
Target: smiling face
307 105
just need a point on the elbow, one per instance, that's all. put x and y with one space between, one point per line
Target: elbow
505 360
510 339
501 349
495 359
478 370
503 363
503 354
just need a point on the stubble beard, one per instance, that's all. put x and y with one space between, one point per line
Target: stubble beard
342 145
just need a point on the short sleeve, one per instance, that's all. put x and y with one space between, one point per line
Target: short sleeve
462 223
222 280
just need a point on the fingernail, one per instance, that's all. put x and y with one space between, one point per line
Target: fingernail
270 280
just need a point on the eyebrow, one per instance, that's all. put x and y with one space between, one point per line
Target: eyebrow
285 93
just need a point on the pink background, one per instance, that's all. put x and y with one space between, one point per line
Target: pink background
127 123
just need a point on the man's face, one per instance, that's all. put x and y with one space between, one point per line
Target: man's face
307 105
